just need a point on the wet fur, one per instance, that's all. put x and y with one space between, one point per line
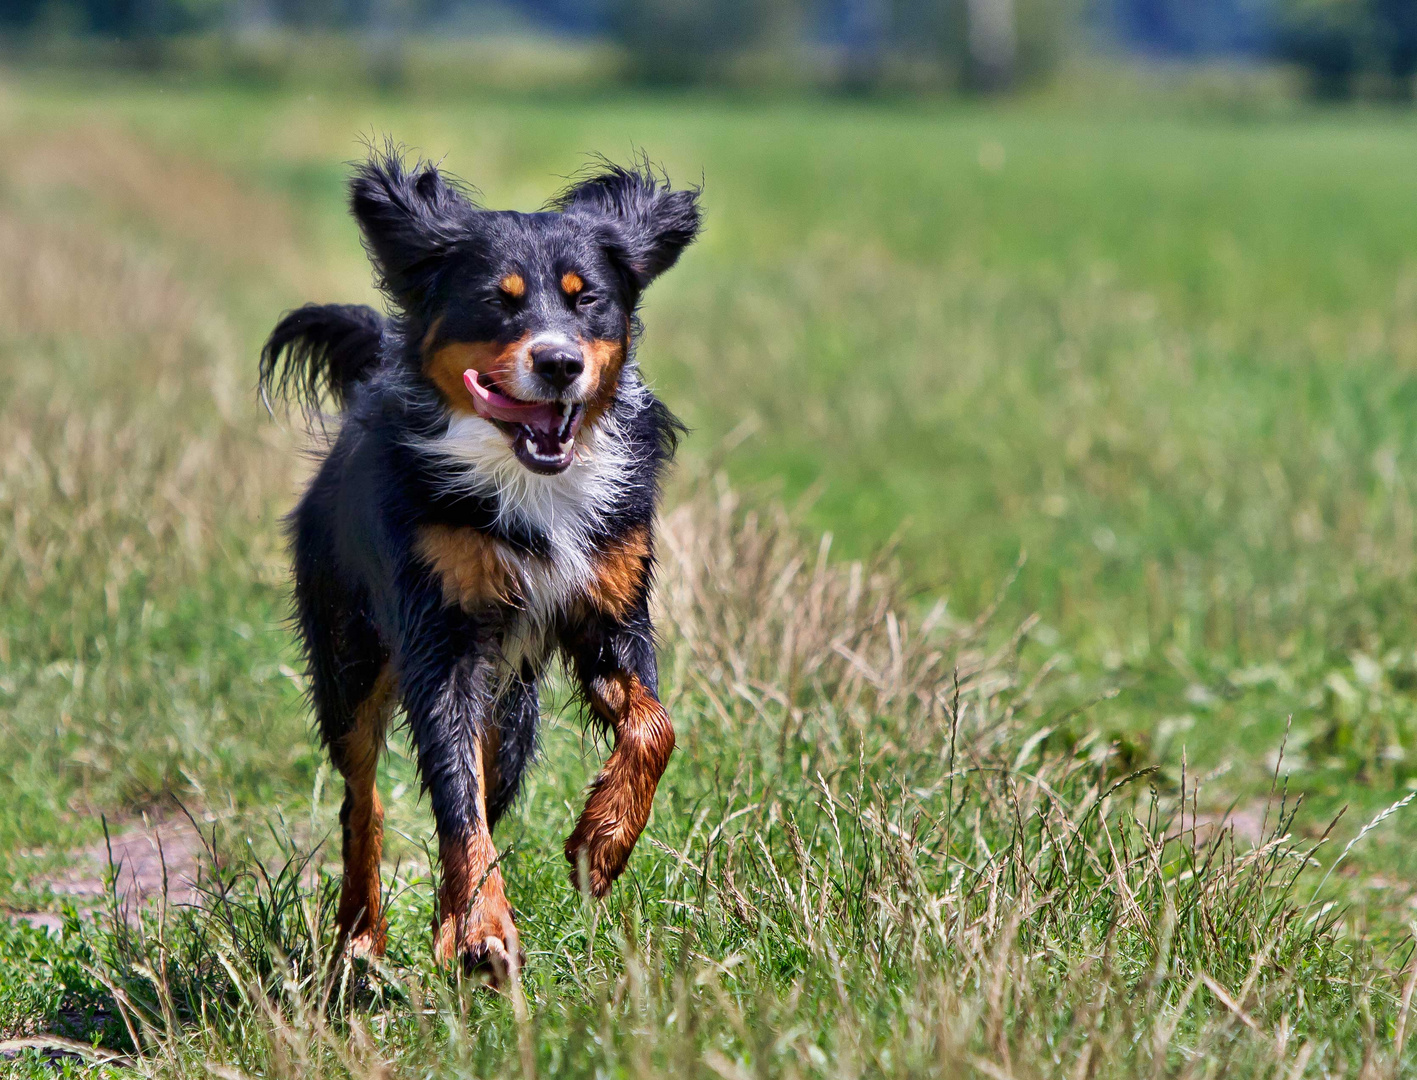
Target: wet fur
428 557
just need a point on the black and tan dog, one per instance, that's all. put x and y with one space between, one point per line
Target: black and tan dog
489 500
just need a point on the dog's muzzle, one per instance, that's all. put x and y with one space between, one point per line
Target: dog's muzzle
543 433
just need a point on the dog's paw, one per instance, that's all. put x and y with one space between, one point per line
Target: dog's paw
493 960
484 943
599 847
368 945
597 858
364 942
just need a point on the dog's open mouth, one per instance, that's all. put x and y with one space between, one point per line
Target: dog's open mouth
543 433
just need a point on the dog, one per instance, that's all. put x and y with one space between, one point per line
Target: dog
488 502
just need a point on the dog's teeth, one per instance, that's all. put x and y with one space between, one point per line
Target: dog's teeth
570 417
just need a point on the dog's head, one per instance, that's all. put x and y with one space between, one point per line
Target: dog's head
522 319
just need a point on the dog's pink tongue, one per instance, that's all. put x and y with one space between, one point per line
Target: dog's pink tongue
494 406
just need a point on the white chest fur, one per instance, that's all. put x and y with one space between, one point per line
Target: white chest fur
566 508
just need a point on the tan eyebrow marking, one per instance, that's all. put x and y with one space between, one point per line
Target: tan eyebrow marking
513 285
571 283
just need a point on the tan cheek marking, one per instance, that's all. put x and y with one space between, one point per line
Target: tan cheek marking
514 285
445 367
571 283
619 573
604 357
468 564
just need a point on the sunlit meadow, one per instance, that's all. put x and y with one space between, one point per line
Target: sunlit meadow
1037 591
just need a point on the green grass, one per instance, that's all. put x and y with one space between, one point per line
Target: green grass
1172 358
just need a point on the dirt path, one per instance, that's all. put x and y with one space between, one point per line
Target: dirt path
145 857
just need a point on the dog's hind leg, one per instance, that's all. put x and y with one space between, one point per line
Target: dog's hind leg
352 686
354 691
356 754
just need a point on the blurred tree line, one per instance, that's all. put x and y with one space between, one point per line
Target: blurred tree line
1345 46
1348 46
862 44
903 44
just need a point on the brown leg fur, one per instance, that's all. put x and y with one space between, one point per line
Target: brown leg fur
475 921
361 924
621 796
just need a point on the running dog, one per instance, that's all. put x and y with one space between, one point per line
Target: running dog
489 501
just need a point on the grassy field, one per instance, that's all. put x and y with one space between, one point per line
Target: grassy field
934 812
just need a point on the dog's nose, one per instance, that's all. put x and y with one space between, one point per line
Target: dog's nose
559 365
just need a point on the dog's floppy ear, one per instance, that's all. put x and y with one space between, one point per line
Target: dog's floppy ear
648 224
410 217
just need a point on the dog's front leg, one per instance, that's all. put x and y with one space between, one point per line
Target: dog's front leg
615 665
449 710
475 921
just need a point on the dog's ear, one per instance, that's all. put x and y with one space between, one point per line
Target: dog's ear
411 219
647 224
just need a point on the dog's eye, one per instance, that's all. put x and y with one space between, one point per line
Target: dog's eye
587 300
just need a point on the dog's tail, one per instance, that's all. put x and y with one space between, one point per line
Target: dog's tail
318 349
